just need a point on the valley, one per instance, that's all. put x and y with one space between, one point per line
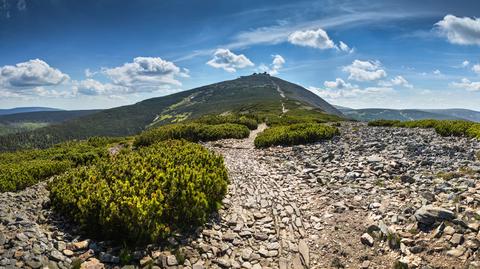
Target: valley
356 201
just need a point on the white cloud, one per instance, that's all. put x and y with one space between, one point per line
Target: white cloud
463 31
30 79
34 73
396 81
229 61
89 73
312 38
465 63
338 84
467 85
44 92
345 48
275 66
146 74
365 70
476 68
437 72
94 87
341 89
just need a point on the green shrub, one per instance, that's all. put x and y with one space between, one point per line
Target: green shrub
193 132
144 195
21 169
248 121
295 134
17 176
474 131
452 128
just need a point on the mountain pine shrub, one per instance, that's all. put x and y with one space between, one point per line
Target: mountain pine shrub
295 134
24 168
143 195
193 132
474 131
248 121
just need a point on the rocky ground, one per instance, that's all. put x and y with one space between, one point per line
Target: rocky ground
371 198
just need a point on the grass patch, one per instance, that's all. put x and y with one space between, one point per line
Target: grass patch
144 195
295 134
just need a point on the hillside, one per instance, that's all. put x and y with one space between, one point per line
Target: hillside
21 122
467 114
26 109
369 114
259 93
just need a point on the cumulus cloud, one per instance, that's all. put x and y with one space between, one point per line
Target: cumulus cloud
30 79
465 63
476 68
312 38
396 81
229 61
463 31
365 70
341 89
146 74
94 87
467 85
34 73
277 64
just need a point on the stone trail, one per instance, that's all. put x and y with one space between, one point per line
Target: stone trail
371 198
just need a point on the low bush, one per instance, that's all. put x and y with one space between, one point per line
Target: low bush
248 121
144 195
17 176
474 131
21 169
193 132
452 128
295 134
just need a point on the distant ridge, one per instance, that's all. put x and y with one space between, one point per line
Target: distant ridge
26 109
369 114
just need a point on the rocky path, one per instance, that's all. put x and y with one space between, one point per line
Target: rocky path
371 198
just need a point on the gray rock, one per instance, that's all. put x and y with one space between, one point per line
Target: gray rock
367 239
428 215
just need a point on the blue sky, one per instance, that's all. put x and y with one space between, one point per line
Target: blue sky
101 54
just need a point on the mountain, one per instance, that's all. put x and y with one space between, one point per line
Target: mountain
368 114
258 93
26 109
54 116
467 114
21 122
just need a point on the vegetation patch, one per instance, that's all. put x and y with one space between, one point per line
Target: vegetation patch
442 127
21 169
193 132
295 134
249 121
144 195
